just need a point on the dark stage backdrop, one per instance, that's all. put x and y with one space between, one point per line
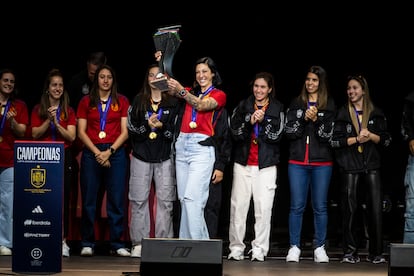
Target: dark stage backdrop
285 39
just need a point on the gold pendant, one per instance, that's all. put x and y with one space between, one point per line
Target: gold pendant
1 139
102 134
193 124
152 135
360 149
255 141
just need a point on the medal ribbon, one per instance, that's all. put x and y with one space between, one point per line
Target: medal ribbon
201 96
103 113
52 124
256 127
3 119
311 104
158 116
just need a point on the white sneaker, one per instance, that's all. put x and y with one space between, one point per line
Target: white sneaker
236 255
257 254
87 251
65 249
319 255
136 251
5 251
123 252
293 254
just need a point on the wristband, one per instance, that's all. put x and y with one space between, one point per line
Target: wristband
112 150
182 93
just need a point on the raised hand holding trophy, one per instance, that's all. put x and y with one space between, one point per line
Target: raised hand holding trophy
166 40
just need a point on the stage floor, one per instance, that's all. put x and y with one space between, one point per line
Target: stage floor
275 266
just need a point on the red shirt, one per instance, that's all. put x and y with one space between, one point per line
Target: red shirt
113 119
204 119
253 159
36 121
7 145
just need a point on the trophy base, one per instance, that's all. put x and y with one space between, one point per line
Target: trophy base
161 84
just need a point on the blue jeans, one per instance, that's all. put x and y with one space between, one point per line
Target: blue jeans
194 166
409 201
301 179
114 179
6 206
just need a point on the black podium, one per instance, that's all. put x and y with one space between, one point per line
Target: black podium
401 259
181 257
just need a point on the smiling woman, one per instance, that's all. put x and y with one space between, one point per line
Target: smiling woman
263 39
54 120
14 119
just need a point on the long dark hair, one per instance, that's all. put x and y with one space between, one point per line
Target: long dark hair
143 97
213 67
44 99
323 89
94 94
146 88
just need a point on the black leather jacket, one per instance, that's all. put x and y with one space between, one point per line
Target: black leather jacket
270 132
348 157
144 148
318 134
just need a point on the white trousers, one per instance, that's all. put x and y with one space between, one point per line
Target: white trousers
250 182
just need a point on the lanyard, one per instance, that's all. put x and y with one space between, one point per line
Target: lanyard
3 120
201 96
52 124
158 115
311 104
103 113
256 127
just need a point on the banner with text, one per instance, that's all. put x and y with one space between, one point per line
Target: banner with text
37 213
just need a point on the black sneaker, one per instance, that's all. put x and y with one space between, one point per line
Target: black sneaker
376 259
351 259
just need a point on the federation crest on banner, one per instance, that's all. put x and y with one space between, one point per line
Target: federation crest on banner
38 177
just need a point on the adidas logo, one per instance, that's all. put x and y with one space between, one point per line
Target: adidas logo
37 210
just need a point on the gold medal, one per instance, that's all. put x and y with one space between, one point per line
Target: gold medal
360 149
102 134
255 141
153 135
193 124
1 139
154 107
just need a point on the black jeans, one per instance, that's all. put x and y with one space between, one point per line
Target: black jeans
369 185
212 209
